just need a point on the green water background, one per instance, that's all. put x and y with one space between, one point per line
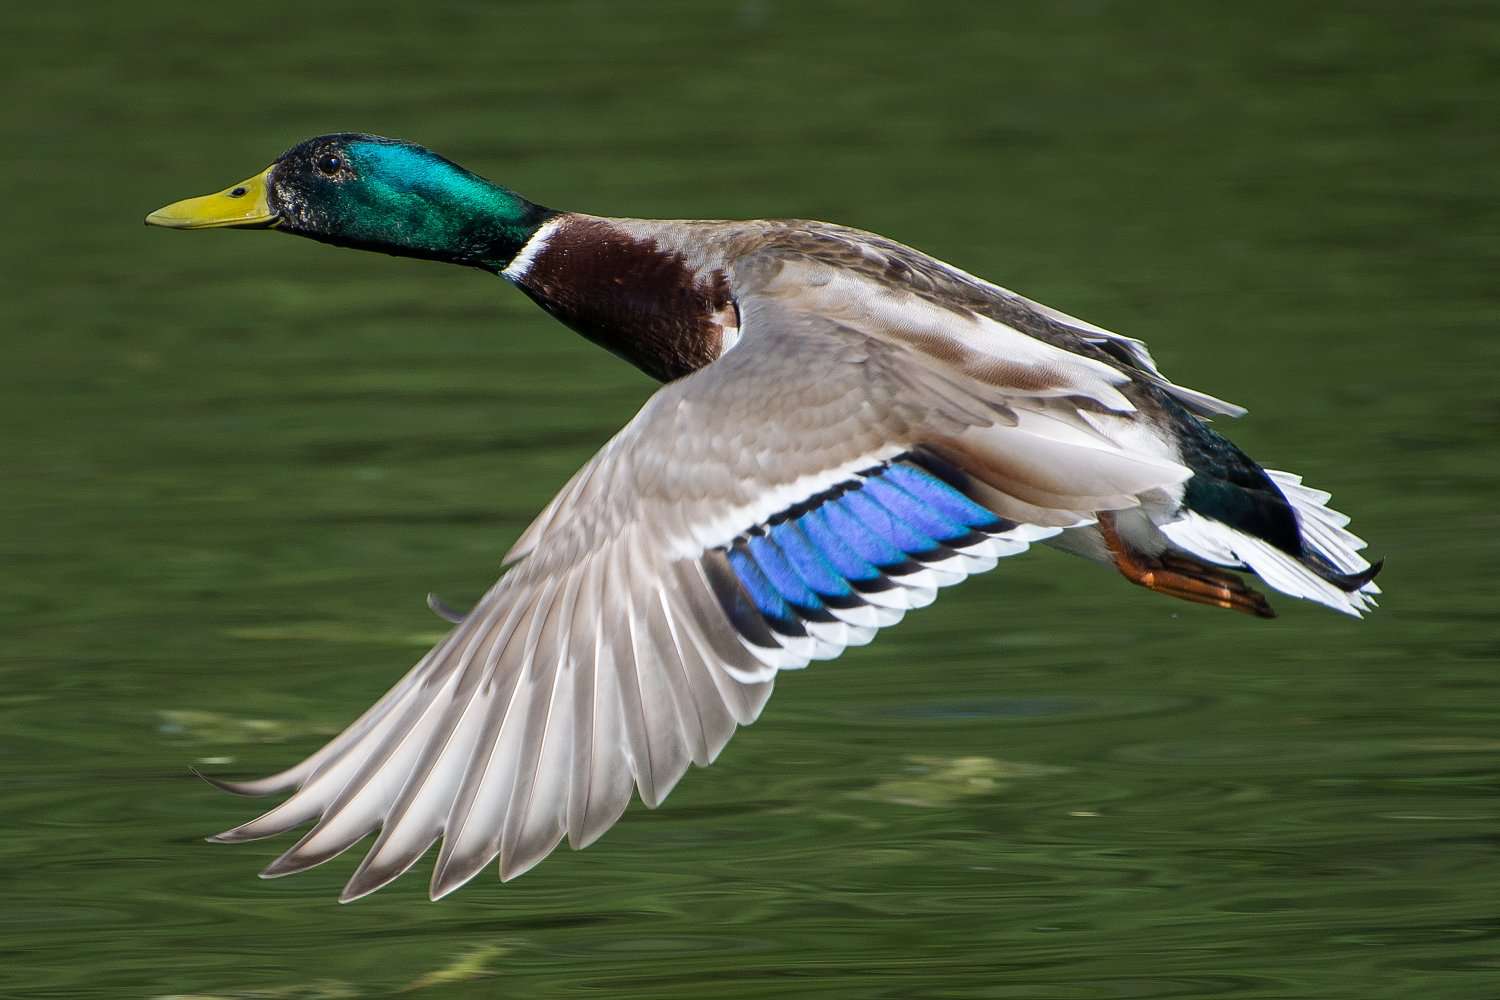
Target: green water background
233 464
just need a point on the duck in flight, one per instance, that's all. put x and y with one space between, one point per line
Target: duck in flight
846 425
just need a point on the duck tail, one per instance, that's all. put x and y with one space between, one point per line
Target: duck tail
1328 569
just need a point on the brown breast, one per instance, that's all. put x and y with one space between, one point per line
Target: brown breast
639 300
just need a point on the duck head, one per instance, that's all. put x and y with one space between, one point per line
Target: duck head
372 193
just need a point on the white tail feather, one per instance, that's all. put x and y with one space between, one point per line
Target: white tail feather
1323 527
1322 530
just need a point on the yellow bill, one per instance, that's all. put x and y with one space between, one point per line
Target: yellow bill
241 205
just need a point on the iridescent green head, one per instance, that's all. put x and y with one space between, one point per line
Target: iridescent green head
364 191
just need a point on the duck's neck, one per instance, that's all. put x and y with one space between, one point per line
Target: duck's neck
628 293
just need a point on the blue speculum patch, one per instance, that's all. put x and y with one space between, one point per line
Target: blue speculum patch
821 552
765 597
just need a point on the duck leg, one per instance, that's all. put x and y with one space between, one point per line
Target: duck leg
1183 577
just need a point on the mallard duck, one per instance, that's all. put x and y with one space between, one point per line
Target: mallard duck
847 425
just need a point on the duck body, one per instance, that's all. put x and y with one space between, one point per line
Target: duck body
847 425
663 295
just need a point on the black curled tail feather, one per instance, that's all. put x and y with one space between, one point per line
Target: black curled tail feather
1347 582
1238 514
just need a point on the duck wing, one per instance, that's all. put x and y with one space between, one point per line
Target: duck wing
833 470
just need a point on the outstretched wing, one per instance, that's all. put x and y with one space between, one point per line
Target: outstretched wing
808 488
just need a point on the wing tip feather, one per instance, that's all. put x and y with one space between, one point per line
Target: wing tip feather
248 789
448 879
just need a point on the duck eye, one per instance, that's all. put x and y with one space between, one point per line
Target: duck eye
329 164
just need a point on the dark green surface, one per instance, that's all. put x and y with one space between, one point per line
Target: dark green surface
233 463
